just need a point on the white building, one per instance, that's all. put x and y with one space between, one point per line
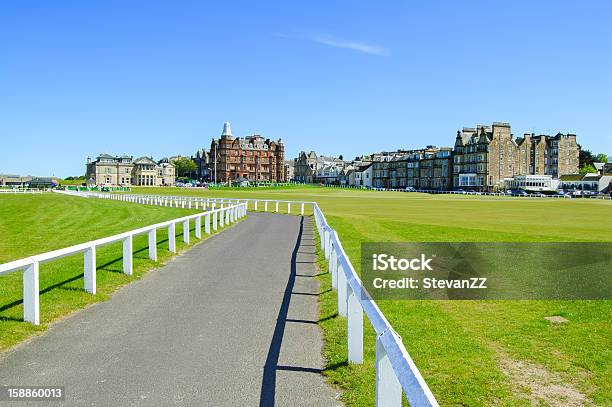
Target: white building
587 182
361 176
532 182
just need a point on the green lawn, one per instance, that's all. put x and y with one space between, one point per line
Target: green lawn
33 224
475 353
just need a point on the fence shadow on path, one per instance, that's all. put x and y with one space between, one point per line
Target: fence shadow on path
268 384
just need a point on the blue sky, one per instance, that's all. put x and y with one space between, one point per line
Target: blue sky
159 78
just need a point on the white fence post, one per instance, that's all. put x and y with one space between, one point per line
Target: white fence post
288 207
354 327
227 216
186 231
127 256
221 217
214 219
341 291
89 269
31 305
333 269
153 244
198 226
255 205
302 209
276 206
265 206
388 388
172 237
207 223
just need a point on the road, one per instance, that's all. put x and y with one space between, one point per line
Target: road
232 322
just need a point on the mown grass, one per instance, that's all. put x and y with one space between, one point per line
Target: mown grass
33 224
461 346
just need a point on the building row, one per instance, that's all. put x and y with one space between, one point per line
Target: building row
229 159
124 170
484 158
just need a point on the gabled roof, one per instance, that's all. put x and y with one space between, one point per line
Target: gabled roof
144 160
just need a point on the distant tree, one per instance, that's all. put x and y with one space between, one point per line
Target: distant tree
585 157
184 167
341 157
601 158
587 168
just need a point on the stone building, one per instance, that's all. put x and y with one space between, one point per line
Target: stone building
108 170
251 158
202 160
166 173
427 168
311 168
305 167
486 156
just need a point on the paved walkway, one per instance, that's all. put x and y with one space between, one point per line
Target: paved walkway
230 323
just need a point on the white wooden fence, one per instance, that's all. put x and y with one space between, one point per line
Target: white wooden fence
395 370
20 191
192 202
214 218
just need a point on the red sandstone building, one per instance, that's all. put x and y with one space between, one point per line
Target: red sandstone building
251 158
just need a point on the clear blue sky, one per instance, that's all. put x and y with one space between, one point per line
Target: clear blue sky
159 78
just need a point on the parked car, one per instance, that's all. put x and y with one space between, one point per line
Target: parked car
410 189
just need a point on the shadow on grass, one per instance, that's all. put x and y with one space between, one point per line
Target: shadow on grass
327 318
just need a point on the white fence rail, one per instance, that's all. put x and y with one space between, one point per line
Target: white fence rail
266 205
395 370
214 218
20 191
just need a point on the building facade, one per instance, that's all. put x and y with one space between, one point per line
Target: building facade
251 158
361 176
289 170
427 168
202 160
108 170
486 157
311 168
305 167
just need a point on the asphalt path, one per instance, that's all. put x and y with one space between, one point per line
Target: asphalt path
232 322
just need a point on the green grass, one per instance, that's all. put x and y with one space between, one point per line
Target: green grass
463 348
33 224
